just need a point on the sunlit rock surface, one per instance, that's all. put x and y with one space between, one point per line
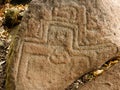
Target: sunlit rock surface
60 40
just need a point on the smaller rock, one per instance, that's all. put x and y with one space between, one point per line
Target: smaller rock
13 15
98 72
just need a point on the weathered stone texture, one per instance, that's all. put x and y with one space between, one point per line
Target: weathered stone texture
109 80
60 40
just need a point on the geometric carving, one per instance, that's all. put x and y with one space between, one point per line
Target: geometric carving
68 17
52 41
53 52
66 28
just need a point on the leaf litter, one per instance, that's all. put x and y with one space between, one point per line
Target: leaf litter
10 17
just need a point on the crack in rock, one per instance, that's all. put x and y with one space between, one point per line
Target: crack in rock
93 74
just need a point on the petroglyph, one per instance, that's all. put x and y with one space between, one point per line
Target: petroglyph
58 46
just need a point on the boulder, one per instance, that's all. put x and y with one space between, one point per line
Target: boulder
60 40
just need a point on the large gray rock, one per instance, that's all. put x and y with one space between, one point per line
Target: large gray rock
60 40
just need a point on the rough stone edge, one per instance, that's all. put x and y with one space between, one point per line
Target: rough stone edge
17 37
10 83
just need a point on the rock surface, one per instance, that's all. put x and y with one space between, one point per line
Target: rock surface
60 40
108 81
